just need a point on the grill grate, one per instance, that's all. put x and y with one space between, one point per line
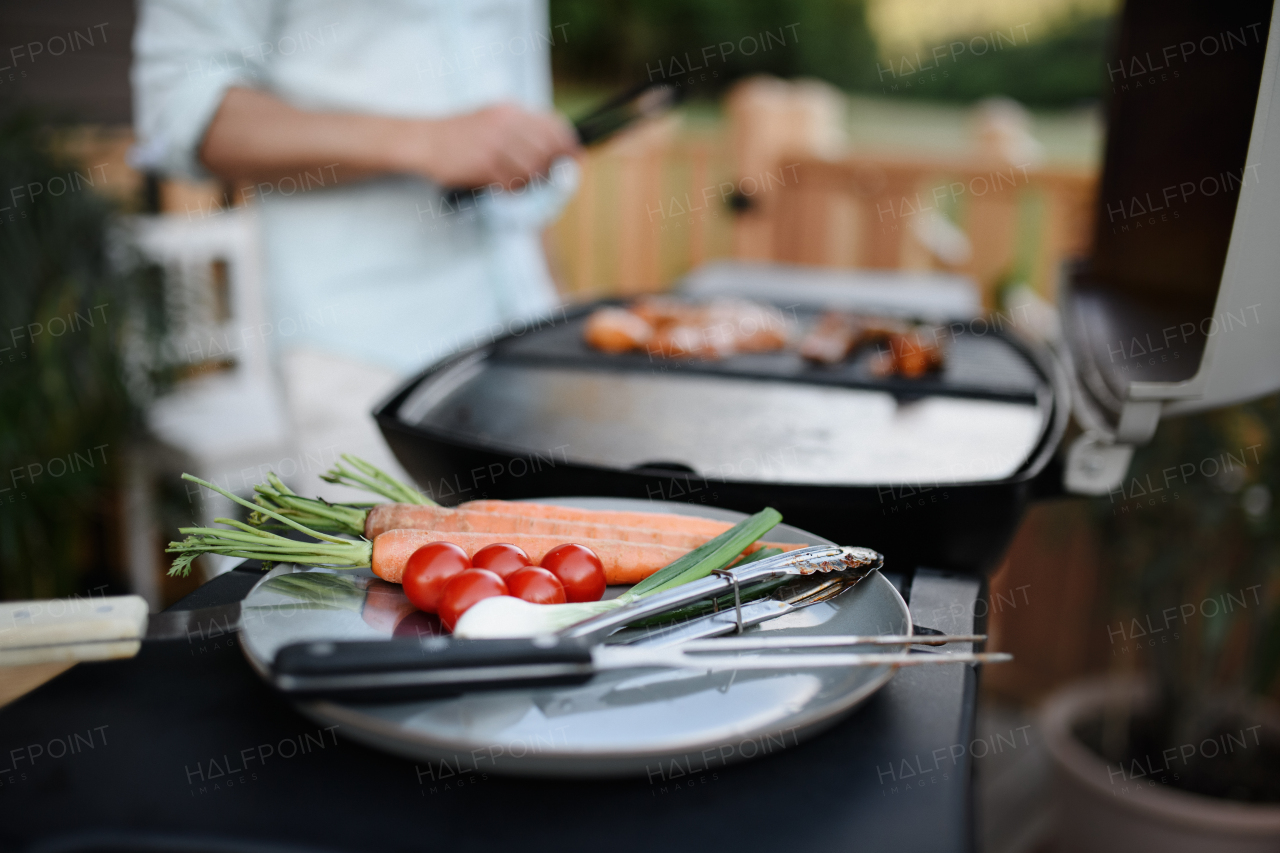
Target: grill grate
985 366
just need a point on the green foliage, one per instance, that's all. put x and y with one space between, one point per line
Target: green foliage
1212 531
613 45
622 43
64 410
1064 68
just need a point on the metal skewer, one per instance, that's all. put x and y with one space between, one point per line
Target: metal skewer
684 657
757 643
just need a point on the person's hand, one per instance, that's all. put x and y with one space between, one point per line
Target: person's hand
500 144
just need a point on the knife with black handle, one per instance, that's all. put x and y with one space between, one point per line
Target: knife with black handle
431 666
443 666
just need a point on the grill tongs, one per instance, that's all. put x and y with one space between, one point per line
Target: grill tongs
439 666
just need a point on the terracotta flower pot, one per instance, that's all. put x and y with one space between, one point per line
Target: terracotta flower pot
1103 808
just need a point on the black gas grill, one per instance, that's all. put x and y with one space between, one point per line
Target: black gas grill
934 470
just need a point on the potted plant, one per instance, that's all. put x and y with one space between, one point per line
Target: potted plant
1179 749
65 410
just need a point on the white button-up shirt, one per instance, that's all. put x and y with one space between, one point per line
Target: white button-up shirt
379 271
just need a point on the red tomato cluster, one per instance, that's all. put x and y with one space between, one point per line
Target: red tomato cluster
439 578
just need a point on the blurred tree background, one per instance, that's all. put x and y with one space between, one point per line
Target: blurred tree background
610 46
65 411
621 43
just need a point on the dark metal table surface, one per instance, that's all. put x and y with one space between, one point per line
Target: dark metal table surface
183 748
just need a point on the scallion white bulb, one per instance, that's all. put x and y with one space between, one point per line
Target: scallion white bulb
505 616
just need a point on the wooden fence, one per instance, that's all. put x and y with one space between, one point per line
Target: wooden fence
772 184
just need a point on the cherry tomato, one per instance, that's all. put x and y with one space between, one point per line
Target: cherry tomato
537 585
464 590
428 570
578 569
502 559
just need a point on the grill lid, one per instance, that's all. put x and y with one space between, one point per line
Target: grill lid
1166 316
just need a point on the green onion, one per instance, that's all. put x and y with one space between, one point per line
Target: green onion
750 593
373 479
699 608
710 556
503 616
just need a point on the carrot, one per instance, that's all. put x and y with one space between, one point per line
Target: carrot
624 562
424 513
274 499
706 527
384 517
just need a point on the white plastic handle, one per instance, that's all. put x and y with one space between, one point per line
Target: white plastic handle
71 629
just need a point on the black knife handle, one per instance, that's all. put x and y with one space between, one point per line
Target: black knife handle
413 668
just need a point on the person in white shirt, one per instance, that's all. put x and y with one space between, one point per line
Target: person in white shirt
395 102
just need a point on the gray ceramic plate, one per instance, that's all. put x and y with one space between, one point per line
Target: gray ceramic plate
640 722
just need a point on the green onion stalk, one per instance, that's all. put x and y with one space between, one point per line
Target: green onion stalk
749 593
510 617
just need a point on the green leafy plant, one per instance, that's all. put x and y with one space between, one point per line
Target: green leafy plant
1057 67
616 45
1192 544
65 411
628 43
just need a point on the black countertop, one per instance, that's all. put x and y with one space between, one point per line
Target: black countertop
183 748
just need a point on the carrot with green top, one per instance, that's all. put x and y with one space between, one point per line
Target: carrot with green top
387 554
501 518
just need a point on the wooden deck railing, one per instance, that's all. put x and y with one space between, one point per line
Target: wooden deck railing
658 201
875 212
649 207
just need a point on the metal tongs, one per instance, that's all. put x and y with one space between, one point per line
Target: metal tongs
843 566
436 666
645 100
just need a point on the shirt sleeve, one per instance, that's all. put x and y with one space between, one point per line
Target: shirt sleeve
187 53
537 69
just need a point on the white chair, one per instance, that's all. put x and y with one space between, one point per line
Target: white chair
228 422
